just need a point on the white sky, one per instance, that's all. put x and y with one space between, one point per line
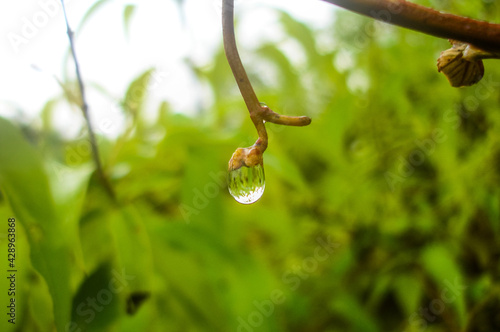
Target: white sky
157 39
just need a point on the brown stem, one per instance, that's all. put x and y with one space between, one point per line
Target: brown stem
85 111
258 113
239 72
269 116
429 21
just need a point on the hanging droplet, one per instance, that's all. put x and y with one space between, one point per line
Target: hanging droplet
246 184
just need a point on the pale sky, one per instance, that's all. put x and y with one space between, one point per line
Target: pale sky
33 32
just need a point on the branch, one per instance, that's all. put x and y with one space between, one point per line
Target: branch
259 113
85 111
239 72
481 34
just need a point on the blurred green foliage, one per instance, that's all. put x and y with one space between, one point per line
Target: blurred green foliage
382 215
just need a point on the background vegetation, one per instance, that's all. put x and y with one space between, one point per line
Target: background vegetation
398 170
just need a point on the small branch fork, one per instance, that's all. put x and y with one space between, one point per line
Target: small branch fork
483 35
85 111
258 112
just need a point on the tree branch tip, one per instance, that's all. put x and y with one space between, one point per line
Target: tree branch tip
84 107
269 115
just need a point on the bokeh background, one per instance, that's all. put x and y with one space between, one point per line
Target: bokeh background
382 215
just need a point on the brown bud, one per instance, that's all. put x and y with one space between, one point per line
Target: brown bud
461 64
249 157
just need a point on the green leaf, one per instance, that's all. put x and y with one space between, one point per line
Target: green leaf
97 303
92 10
132 238
128 11
439 262
301 32
69 186
350 309
47 113
408 289
25 185
136 94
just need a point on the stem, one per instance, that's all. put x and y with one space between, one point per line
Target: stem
85 110
269 116
426 20
239 72
258 112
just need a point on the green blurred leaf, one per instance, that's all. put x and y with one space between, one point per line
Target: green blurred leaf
96 304
302 33
136 94
348 307
440 263
131 238
25 185
408 289
91 12
128 11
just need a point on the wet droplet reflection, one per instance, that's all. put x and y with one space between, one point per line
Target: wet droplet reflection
246 184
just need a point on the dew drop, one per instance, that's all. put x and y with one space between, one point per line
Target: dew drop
246 184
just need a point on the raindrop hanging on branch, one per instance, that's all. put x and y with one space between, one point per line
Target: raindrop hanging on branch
246 168
246 179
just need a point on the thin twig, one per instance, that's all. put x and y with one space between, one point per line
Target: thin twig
482 34
85 110
258 113
238 70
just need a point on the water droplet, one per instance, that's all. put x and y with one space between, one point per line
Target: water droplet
246 184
